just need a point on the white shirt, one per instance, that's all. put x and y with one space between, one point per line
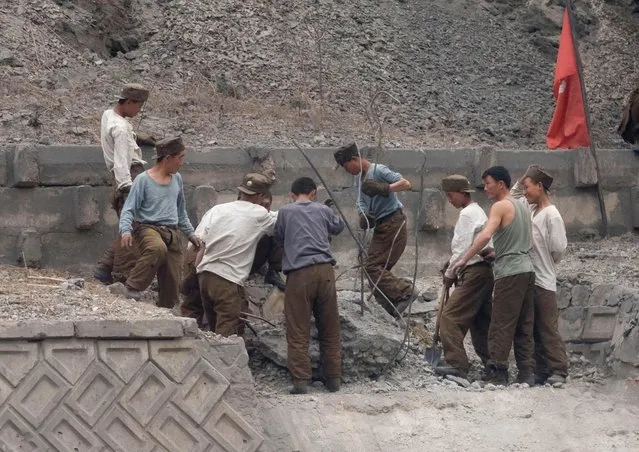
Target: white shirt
472 220
231 232
549 241
119 147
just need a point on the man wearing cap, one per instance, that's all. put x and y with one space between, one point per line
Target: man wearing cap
468 308
549 246
378 206
152 215
123 158
231 232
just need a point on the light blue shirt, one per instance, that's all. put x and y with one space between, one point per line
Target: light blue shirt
158 204
379 206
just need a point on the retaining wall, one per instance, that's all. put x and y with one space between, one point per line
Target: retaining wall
54 200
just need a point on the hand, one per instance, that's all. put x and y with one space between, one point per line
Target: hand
196 241
329 202
374 188
488 254
448 282
442 271
125 189
366 221
459 265
126 241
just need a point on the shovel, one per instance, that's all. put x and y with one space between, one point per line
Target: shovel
433 354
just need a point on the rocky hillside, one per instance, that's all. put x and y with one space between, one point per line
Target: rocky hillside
440 73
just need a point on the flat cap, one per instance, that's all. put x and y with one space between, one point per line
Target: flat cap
135 92
346 153
456 183
169 146
255 183
539 175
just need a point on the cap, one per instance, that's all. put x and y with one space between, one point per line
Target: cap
456 183
169 146
135 92
538 175
255 183
346 153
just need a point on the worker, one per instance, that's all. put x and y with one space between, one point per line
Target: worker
303 229
231 233
469 306
629 126
379 208
152 215
512 318
549 246
123 159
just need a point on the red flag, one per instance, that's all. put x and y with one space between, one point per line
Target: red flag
568 128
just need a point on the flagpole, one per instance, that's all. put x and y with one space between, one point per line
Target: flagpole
602 206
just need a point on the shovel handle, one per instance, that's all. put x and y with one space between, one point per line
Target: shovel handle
442 301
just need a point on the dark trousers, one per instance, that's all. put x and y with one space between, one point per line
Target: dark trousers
550 351
311 290
223 303
468 308
512 322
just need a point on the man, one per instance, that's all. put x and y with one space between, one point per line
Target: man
512 318
468 308
629 127
377 186
123 158
152 215
303 229
549 246
231 232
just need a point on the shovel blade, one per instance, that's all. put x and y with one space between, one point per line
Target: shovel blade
432 355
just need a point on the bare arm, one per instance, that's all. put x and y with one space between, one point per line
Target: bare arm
400 185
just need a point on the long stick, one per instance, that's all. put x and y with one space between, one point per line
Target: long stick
602 206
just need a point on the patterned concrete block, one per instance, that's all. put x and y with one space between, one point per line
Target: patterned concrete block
147 393
70 357
36 329
5 390
24 169
232 432
94 393
68 434
176 432
17 435
600 324
17 359
432 218
584 169
151 328
200 391
122 433
86 207
124 358
175 358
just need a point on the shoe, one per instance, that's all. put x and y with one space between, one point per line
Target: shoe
450 370
556 378
275 279
496 375
299 387
401 306
526 378
333 384
540 380
104 276
122 290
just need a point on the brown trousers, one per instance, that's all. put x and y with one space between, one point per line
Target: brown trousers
512 322
311 290
117 260
223 302
160 252
382 257
468 308
550 351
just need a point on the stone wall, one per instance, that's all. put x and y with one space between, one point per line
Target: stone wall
97 385
55 199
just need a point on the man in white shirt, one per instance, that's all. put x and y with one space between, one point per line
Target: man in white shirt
231 232
549 246
469 306
123 159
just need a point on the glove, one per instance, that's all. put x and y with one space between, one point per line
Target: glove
366 221
329 203
125 189
374 188
144 139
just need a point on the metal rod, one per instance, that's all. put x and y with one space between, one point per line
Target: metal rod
259 318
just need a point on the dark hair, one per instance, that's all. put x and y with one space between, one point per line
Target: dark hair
499 173
121 101
303 186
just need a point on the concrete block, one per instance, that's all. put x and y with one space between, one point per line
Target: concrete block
147 393
94 393
36 329
484 159
200 391
72 165
17 435
232 432
68 434
147 328
176 432
564 296
584 169
571 323
627 351
607 295
30 248
634 206
70 357
122 433
17 359
24 168
175 358
124 358
190 327
203 198
432 210
3 167
87 208
5 391
600 324
580 295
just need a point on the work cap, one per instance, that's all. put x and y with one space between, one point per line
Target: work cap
169 146
538 175
135 92
346 154
255 183
456 183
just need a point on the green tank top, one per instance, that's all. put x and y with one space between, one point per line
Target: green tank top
513 244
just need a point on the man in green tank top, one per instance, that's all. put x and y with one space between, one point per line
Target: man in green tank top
510 227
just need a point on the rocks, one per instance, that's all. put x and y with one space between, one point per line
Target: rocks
8 59
460 381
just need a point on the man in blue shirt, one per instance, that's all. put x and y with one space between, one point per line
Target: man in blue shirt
376 186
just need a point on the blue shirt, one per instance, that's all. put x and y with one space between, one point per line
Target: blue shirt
159 204
378 206
302 228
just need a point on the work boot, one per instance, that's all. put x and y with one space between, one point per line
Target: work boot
404 304
274 278
496 375
540 380
556 378
526 378
120 289
333 384
103 275
450 370
299 387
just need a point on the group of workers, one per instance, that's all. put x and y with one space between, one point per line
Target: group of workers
502 266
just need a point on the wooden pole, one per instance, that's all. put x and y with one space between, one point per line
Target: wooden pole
602 206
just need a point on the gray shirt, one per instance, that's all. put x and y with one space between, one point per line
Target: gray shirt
153 203
302 228
379 206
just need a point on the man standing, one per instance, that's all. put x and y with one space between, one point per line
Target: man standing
303 228
123 158
231 232
376 186
512 319
469 305
549 246
152 215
